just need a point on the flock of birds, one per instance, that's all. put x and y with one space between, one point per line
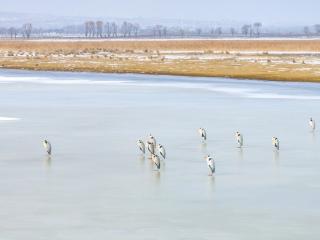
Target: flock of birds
158 153
153 149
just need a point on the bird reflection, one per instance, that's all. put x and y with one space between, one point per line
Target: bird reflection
240 153
47 161
276 156
150 164
211 183
203 148
156 176
141 160
313 137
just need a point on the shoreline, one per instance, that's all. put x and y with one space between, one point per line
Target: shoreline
268 60
234 77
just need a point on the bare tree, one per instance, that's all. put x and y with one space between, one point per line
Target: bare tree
124 29
245 29
198 31
136 28
317 28
219 31
114 29
107 29
13 32
250 30
86 29
26 30
165 31
257 27
159 30
129 29
306 31
182 32
90 29
232 31
99 27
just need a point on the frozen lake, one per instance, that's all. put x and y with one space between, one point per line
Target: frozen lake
98 186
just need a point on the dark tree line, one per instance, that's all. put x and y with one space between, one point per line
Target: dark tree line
100 29
13 32
126 29
251 30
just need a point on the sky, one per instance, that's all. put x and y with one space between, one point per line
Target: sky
266 11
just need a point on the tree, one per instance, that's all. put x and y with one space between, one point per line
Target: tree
198 31
245 29
99 27
124 28
86 29
90 29
250 30
317 28
114 29
157 31
13 32
129 29
306 31
232 31
257 27
165 31
219 31
107 29
135 29
181 31
26 30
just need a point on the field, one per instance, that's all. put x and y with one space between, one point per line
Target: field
287 60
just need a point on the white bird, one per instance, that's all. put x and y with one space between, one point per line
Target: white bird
150 147
152 140
276 143
47 146
239 139
202 134
211 164
156 160
141 146
162 151
312 124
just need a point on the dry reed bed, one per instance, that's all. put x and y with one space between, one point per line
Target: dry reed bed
160 57
172 45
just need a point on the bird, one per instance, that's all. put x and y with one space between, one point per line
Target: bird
276 143
156 160
202 134
211 164
47 146
239 139
150 147
162 151
312 124
141 146
152 140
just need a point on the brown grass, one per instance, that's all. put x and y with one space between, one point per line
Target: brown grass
179 45
122 57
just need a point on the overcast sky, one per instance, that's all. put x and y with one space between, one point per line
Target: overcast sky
266 11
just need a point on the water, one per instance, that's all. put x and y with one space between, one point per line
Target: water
97 184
